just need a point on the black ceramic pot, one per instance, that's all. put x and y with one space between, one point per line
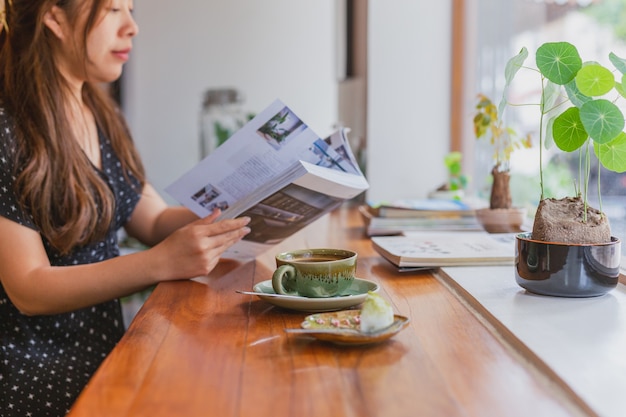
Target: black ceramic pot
566 270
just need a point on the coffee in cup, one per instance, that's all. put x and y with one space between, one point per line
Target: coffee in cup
314 273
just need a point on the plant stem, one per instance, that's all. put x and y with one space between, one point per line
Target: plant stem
541 137
599 191
578 187
587 175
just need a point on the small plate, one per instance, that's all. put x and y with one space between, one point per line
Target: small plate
342 327
355 294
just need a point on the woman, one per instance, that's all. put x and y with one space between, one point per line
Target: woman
69 179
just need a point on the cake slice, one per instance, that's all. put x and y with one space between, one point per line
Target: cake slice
376 313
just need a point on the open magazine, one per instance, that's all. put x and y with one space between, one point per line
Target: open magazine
275 170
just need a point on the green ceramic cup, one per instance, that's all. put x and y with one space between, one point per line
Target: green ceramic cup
315 273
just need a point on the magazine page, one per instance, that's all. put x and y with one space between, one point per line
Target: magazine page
339 142
334 174
311 192
279 216
447 248
257 154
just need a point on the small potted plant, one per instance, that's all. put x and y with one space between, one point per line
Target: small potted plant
570 251
500 216
454 188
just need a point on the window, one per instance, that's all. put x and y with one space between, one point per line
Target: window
495 31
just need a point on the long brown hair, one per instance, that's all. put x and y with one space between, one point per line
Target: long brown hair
56 183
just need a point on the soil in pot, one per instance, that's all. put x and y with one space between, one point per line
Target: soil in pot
562 220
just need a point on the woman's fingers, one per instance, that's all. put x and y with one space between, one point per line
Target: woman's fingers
226 233
198 246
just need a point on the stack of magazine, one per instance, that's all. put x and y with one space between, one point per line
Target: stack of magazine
277 171
424 234
418 215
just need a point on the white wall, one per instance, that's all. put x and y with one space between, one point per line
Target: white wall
408 97
287 49
267 49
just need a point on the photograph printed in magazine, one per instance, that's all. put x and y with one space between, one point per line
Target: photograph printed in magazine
275 170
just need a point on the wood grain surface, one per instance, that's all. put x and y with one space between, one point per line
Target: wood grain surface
198 348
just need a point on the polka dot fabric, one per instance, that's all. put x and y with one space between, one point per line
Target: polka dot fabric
45 361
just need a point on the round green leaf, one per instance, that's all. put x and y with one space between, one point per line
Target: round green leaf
612 155
602 120
568 130
558 61
594 80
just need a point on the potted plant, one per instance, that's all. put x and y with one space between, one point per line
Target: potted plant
570 251
500 216
454 188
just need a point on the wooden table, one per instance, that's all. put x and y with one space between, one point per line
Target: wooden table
198 348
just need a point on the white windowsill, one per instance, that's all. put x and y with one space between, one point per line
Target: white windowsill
583 340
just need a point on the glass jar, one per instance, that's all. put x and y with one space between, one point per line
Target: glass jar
221 116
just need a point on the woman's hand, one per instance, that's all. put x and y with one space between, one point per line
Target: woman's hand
194 249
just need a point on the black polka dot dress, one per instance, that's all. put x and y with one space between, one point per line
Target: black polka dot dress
45 361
